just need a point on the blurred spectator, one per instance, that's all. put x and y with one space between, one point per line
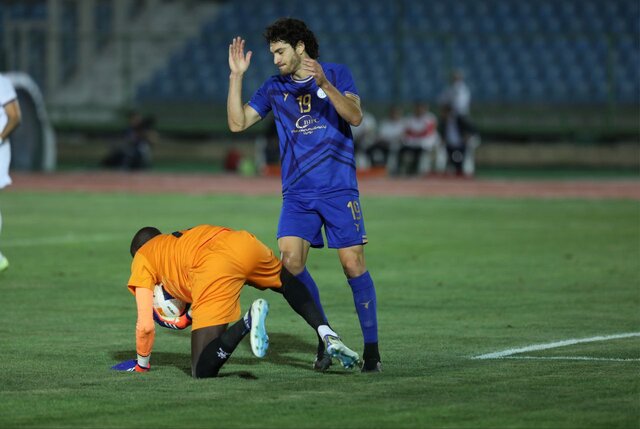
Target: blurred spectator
420 142
457 94
135 152
364 136
10 118
384 152
267 150
272 149
461 140
232 160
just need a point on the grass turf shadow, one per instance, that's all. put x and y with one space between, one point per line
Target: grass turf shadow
281 345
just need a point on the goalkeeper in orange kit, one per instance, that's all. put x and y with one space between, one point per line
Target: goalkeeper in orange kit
207 266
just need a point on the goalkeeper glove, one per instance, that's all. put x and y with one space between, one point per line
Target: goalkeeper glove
178 323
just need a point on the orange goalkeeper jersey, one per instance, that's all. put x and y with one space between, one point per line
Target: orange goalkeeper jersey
206 266
168 259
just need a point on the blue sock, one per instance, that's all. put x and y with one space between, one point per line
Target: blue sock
364 297
308 281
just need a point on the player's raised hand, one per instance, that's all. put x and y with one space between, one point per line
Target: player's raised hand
238 60
314 69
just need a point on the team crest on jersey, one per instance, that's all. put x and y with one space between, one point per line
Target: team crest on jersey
321 93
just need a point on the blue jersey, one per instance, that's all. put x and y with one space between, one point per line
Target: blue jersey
316 145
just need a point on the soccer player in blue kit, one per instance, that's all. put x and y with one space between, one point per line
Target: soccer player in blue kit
314 105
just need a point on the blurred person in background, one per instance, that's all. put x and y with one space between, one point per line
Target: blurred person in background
420 143
10 117
384 151
457 95
456 101
461 140
134 153
364 136
268 151
314 105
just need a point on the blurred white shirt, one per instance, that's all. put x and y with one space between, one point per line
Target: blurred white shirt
421 131
7 94
458 96
365 133
391 130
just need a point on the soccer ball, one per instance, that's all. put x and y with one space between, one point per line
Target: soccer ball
166 305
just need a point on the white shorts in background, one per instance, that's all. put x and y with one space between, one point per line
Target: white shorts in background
5 160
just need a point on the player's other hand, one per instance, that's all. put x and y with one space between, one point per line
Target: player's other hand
315 69
178 323
238 60
130 366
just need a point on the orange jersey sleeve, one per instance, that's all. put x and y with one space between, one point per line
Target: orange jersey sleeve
143 274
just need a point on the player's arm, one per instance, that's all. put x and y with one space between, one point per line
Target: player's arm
347 105
239 116
14 116
145 333
145 328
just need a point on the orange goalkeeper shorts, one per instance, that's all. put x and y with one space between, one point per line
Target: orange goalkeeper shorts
221 268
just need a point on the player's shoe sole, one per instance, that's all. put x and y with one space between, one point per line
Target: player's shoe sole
337 350
375 366
322 363
258 334
4 263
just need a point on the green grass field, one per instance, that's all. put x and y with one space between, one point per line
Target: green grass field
455 278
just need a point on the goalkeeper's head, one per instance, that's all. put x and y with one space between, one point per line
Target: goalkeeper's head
142 236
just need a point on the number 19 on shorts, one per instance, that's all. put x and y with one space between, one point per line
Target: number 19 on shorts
355 210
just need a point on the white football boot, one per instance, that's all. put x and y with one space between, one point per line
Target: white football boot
258 333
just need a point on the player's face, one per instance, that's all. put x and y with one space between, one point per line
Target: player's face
285 57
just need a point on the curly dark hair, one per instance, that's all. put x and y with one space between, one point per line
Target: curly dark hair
142 236
292 31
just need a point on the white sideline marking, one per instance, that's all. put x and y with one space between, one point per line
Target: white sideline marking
63 239
536 347
571 358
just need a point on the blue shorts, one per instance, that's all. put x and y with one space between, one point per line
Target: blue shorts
341 217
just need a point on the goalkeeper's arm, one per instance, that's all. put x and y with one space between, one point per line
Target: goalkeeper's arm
145 334
145 328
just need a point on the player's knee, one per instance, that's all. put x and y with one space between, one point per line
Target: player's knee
353 267
352 260
293 262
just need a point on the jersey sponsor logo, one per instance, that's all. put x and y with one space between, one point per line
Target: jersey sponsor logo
285 95
321 93
307 124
